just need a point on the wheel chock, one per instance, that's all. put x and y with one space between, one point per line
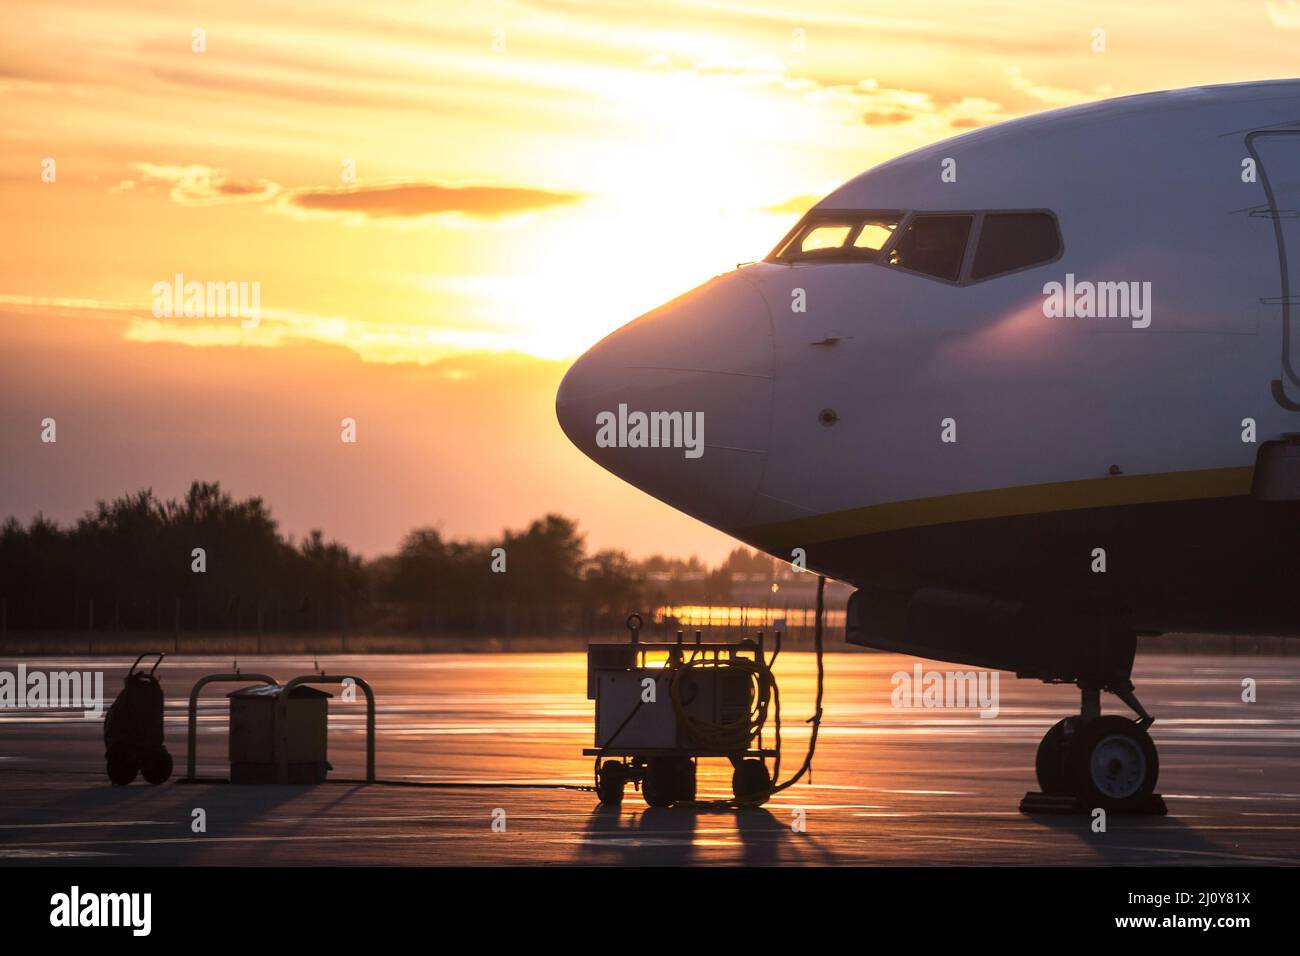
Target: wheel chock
1067 804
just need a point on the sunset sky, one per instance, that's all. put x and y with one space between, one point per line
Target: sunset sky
528 177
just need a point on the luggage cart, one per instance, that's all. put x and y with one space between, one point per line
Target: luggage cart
654 721
134 737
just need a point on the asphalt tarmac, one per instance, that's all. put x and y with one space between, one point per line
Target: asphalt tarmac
501 737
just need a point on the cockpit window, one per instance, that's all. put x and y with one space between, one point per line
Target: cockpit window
873 235
822 238
1014 240
854 238
933 245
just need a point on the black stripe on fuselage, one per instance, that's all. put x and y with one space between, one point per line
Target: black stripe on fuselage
1227 565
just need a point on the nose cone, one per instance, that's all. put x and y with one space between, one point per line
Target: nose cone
679 401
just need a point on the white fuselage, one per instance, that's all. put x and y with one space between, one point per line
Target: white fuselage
845 400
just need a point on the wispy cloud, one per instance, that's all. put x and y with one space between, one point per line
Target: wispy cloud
372 341
1052 95
409 199
794 206
197 185
200 185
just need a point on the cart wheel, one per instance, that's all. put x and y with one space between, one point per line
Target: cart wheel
749 781
659 786
610 781
123 764
156 766
685 780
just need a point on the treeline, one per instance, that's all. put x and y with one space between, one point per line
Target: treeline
209 562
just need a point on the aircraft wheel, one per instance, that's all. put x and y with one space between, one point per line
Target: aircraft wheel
123 764
610 782
659 786
1051 765
156 765
1114 764
749 781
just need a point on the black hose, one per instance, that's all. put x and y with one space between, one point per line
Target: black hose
816 718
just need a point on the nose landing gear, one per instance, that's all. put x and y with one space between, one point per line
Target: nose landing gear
1092 761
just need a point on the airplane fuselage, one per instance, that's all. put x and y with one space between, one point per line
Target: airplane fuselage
1077 432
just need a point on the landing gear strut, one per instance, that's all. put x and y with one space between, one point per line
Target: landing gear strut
1092 761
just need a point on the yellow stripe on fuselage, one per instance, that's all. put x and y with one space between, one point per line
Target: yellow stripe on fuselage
1003 503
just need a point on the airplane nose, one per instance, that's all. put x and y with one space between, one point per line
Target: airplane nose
679 401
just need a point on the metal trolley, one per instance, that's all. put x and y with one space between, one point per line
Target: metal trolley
655 720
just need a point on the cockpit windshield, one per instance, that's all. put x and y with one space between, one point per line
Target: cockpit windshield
854 238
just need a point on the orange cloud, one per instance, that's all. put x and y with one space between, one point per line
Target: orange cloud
407 199
197 185
886 117
795 205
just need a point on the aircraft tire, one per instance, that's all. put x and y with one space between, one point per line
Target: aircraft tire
1051 765
1114 764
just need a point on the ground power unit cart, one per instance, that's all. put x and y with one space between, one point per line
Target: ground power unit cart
660 707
